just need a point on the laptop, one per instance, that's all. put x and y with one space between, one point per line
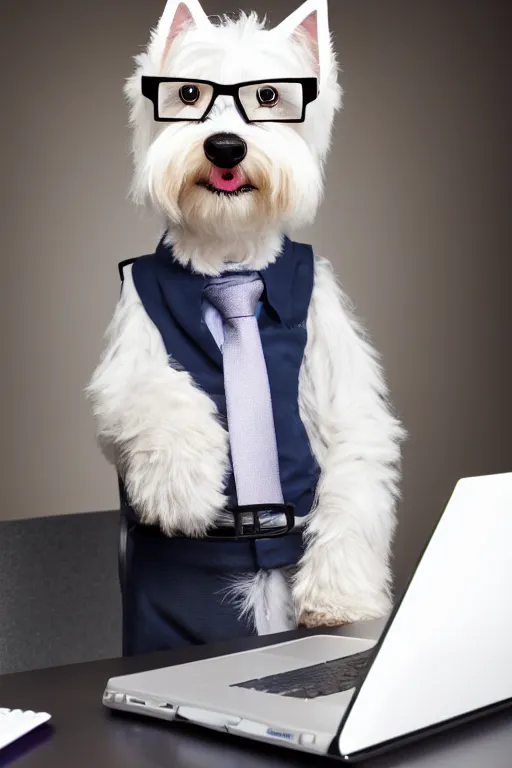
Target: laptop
443 656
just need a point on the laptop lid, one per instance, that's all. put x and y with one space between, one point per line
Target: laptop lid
446 652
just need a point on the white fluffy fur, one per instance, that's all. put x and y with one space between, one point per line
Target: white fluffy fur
265 600
344 574
154 423
162 430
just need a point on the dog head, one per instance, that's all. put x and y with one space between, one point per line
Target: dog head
231 127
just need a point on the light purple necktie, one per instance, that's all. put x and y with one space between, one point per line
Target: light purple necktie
248 400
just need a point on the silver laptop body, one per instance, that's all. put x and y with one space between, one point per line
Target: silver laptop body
443 656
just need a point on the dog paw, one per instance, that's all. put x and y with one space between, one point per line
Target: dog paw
338 614
186 501
314 620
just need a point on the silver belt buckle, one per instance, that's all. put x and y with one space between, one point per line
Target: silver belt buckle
256 521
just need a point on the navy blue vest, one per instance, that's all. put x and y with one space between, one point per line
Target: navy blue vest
172 297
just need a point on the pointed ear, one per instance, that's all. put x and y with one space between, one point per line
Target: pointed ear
311 22
177 15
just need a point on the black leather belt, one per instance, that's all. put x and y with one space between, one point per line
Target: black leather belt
255 521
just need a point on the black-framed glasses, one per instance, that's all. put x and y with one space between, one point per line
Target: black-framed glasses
258 101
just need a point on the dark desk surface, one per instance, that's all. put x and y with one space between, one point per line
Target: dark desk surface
83 734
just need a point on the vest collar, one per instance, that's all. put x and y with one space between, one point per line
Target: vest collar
288 287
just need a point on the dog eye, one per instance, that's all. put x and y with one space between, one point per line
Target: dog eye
267 96
189 94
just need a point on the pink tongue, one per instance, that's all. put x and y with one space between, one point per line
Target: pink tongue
225 179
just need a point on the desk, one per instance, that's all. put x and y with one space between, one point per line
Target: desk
83 734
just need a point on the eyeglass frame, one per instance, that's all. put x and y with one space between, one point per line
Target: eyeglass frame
151 83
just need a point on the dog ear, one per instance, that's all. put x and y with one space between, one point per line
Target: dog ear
311 22
178 14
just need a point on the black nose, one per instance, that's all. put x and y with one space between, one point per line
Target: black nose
225 150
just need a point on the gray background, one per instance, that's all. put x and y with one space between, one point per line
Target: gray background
416 220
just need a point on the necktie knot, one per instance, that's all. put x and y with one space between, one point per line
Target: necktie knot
235 296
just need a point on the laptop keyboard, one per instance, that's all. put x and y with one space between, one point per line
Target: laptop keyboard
314 681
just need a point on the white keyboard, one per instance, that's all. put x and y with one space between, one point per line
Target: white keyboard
15 723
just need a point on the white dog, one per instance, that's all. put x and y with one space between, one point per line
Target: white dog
155 423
